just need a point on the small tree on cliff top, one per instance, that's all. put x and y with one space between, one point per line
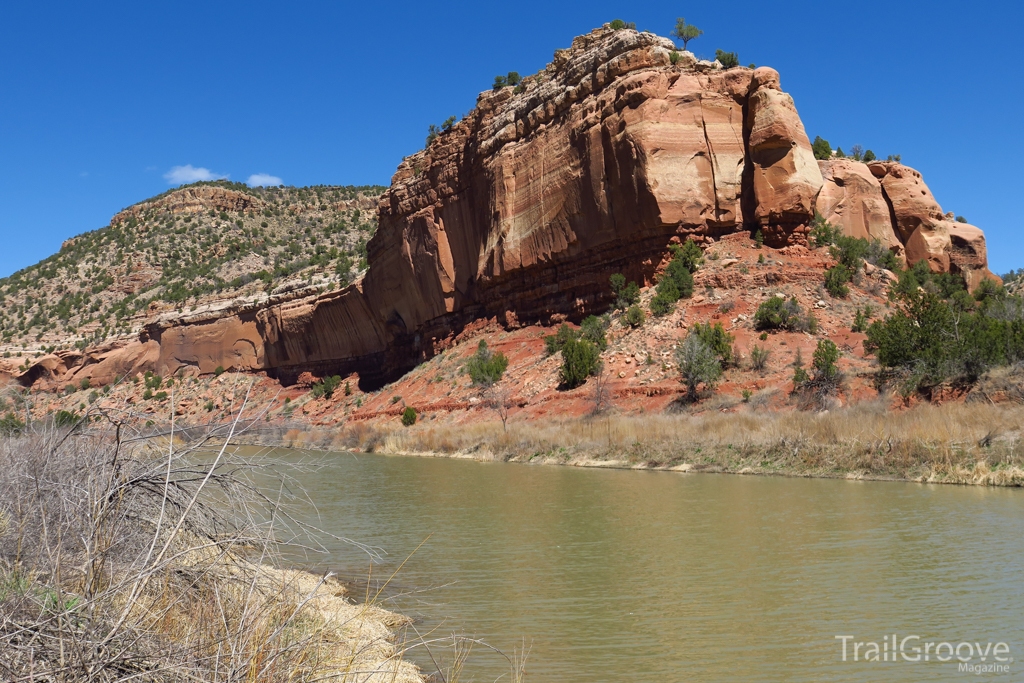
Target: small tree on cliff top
686 32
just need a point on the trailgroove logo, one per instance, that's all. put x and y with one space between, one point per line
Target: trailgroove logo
971 657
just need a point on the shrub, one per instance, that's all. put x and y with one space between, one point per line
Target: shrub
759 357
667 289
617 281
619 24
513 78
836 278
485 367
698 364
553 343
65 418
218 371
716 338
662 305
11 425
673 57
878 255
869 156
822 232
759 244
859 321
626 294
778 314
727 59
826 355
634 317
936 336
822 150
580 360
326 387
677 281
850 251
84 384
592 329
499 82
689 255
433 131
680 275
409 416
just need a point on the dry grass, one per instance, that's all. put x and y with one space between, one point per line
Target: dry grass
128 558
971 443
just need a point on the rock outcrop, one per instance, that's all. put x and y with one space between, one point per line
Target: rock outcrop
523 209
890 202
193 199
852 198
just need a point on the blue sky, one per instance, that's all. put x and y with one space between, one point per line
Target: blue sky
100 102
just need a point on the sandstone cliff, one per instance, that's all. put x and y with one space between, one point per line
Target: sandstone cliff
525 207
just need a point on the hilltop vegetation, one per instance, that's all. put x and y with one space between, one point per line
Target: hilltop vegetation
165 254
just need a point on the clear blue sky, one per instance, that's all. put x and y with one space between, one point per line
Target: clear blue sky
100 101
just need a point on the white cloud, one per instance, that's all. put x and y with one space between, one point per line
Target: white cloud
179 175
263 180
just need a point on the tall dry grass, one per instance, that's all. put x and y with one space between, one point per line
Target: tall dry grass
126 556
976 442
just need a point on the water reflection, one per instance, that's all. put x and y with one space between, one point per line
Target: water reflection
647 576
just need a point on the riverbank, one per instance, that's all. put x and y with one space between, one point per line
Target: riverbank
957 443
123 558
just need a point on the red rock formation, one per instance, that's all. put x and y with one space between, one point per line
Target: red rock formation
786 177
852 199
525 207
528 204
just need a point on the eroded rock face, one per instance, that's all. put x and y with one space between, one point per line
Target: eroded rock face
193 200
109 362
785 174
525 207
890 202
851 198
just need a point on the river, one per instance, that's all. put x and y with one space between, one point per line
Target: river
615 575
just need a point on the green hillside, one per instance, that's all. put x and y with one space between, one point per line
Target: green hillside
183 249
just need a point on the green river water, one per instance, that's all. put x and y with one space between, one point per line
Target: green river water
655 576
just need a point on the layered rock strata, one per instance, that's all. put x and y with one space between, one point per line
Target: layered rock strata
523 209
